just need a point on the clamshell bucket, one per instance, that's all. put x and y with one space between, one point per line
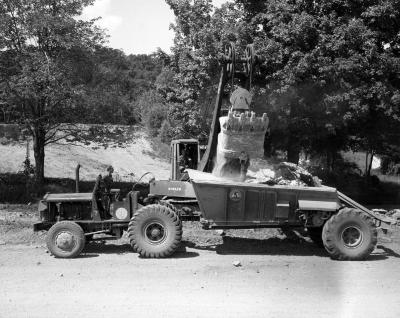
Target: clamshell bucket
240 133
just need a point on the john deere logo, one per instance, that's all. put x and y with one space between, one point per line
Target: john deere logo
235 195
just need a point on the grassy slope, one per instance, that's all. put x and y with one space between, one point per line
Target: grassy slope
137 156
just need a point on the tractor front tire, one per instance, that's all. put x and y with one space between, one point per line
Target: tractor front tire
349 235
65 239
155 231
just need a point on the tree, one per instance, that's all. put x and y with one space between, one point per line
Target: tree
153 110
200 35
114 83
338 62
330 76
42 45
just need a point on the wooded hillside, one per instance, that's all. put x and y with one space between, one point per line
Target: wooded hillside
329 81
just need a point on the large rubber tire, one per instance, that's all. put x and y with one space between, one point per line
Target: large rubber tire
65 239
315 234
349 235
155 231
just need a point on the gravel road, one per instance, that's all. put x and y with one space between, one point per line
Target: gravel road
110 280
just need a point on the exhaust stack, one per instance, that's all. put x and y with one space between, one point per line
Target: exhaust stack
77 177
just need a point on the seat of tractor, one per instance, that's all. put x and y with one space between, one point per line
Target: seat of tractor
68 197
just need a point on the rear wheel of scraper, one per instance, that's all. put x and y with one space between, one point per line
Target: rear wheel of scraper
349 235
155 231
315 234
65 239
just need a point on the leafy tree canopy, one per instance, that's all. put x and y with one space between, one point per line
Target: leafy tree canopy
42 46
330 79
55 72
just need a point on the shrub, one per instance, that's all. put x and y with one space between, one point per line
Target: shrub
15 188
153 111
154 118
20 188
165 132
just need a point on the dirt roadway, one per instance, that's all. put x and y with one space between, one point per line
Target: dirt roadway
109 280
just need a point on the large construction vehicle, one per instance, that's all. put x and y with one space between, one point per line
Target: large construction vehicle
346 229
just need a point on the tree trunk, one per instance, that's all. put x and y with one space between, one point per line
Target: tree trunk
38 149
369 157
293 149
331 156
328 161
267 145
293 145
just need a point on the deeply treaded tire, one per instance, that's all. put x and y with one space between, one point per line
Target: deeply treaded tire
315 234
72 231
334 238
155 231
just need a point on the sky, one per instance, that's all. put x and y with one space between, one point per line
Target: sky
136 26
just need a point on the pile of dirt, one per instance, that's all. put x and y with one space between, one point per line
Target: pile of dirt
394 214
284 173
16 224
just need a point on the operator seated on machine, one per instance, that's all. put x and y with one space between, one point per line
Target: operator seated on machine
241 97
185 162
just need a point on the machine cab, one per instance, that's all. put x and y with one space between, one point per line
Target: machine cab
185 153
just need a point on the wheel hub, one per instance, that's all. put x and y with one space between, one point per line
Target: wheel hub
352 237
155 232
65 241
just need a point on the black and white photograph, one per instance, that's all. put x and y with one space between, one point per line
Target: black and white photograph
200 158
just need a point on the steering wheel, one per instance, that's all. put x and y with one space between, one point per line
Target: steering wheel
145 174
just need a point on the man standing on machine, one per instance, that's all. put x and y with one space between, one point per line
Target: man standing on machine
241 97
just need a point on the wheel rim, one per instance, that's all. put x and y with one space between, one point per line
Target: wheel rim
352 237
155 232
65 241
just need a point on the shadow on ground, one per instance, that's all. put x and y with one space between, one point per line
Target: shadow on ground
94 249
277 246
270 246
102 248
238 246
388 251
